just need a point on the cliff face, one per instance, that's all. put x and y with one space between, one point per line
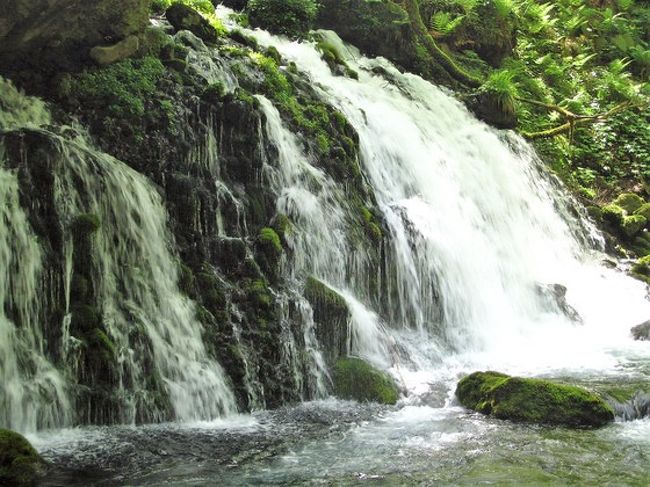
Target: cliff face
183 116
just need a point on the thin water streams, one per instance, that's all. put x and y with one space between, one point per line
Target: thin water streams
475 227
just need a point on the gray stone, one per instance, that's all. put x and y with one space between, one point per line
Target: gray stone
104 55
641 332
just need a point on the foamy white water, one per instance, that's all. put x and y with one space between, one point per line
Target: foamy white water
476 224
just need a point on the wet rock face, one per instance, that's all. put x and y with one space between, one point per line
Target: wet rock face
642 331
60 30
532 400
554 295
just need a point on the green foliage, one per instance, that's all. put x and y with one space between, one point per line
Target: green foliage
293 18
532 400
445 23
503 88
358 380
121 89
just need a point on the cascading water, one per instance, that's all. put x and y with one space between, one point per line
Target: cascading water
149 326
475 227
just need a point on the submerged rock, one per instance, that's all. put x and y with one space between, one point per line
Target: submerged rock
532 400
356 379
642 331
20 465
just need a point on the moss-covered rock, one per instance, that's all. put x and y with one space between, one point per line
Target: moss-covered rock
183 17
644 211
20 465
630 202
612 214
356 379
532 400
632 225
641 269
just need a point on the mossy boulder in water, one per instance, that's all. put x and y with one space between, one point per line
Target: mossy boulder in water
20 465
356 379
532 400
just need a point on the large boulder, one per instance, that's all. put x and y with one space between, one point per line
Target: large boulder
532 400
20 465
58 31
358 380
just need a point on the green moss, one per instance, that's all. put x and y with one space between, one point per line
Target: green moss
613 214
120 89
282 225
644 211
201 21
356 379
321 295
270 239
371 225
248 41
630 202
641 269
19 461
632 225
258 293
532 400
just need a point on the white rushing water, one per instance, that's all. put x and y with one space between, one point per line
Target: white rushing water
152 327
475 226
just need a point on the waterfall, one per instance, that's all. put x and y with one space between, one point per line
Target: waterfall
476 225
143 321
